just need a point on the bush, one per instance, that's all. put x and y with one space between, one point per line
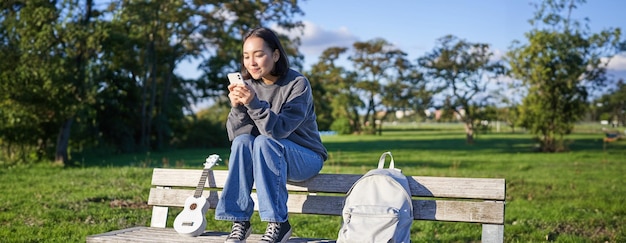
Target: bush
341 126
203 133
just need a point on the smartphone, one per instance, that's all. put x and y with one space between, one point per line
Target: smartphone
235 78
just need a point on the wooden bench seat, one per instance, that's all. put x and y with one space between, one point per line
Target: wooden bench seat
470 200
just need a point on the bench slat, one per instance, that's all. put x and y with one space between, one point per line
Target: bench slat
442 210
421 186
149 234
453 187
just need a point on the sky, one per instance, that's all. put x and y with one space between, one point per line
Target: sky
414 26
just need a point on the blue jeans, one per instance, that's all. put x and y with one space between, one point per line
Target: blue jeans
269 163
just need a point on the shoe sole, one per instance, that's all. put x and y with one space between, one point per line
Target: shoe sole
287 235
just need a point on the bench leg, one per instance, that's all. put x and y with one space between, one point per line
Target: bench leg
493 233
159 216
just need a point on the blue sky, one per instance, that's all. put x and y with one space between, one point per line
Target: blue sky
415 25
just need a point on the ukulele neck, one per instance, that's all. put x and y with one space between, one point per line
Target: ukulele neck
200 187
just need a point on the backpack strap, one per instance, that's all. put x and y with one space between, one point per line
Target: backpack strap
381 161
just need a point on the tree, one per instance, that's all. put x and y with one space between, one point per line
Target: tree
386 82
559 65
613 104
375 62
101 73
462 72
406 91
80 39
510 115
335 98
159 35
16 138
53 46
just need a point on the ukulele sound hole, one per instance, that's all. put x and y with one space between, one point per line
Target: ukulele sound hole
193 206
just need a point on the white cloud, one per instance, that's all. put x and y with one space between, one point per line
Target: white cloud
618 62
315 39
498 54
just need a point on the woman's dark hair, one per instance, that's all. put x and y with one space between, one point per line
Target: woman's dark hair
271 40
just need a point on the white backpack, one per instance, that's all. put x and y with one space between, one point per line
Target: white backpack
378 207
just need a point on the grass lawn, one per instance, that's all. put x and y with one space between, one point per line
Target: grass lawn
575 196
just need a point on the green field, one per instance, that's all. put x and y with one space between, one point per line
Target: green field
575 196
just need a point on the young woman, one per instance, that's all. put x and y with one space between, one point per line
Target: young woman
274 134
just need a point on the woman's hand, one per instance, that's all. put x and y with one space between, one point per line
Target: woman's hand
240 94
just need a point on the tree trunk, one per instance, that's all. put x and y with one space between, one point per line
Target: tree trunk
162 106
142 107
380 126
153 91
356 123
63 140
469 132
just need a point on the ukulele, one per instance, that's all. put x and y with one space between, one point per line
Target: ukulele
191 221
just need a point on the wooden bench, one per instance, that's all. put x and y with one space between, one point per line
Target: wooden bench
471 200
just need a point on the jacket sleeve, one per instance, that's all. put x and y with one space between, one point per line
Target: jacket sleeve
239 122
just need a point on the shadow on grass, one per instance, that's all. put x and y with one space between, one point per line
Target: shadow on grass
173 158
499 143
361 148
357 154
